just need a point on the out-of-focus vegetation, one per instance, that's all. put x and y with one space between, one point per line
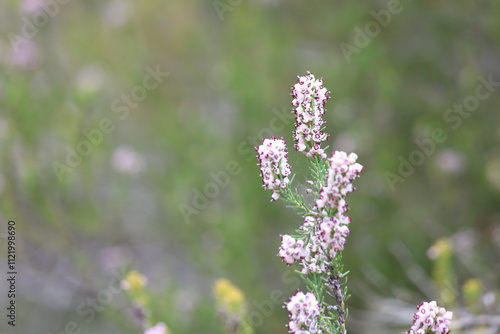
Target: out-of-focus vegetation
169 185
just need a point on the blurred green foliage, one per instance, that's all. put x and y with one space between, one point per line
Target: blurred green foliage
225 79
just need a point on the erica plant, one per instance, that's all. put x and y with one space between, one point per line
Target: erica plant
319 242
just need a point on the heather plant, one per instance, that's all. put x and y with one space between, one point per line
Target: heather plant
318 244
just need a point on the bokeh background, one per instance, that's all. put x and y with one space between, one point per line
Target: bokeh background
146 196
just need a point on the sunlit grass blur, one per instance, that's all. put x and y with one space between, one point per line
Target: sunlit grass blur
104 173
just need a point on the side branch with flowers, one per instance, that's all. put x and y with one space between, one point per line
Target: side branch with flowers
318 244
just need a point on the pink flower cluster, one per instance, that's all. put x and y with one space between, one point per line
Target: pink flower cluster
328 228
331 234
292 250
309 98
304 311
342 171
274 167
430 318
326 238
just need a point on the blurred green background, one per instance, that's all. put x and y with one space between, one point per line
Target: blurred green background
145 195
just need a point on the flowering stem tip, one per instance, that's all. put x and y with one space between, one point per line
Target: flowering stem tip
318 244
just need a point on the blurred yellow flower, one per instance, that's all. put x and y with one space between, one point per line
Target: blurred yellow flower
441 254
134 281
473 291
231 306
228 296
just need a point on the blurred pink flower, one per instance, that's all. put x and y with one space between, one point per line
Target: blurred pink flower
128 161
23 53
159 328
116 13
31 6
